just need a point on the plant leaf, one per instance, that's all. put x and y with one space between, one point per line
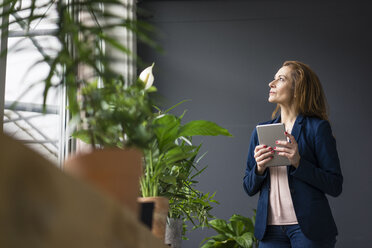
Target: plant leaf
209 244
174 106
169 179
247 222
220 226
204 128
246 240
166 130
237 227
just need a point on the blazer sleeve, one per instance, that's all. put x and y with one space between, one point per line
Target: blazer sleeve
252 182
326 174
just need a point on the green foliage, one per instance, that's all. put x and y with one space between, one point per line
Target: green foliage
172 163
171 158
236 233
109 114
193 206
201 127
116 116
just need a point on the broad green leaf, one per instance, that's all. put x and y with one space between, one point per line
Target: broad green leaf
166 128
220 226
237 227
220 237
246 240
246 221
177 154
204 128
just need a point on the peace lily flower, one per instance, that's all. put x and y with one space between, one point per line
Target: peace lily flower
147 77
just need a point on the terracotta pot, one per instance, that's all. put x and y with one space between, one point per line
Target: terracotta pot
159 219
116 172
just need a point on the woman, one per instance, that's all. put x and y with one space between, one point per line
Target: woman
293 210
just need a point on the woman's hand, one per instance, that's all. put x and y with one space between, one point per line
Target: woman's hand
262 154
289 150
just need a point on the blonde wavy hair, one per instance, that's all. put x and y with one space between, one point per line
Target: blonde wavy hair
309 97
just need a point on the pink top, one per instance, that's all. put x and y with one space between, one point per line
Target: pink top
281 211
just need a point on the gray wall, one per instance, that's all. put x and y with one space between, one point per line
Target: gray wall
223 54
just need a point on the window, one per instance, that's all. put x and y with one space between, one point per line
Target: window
23 116
21 87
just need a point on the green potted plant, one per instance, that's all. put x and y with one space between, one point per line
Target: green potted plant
171 165
237 233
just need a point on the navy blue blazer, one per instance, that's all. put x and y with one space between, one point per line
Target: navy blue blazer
318 173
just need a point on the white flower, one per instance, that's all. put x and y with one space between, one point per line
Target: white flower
147 77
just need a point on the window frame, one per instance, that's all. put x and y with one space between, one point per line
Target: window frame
63 138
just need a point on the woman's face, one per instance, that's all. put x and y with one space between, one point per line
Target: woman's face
282 88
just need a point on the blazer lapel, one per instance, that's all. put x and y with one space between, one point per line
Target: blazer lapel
297 126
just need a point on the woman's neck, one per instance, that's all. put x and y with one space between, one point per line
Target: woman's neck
288 115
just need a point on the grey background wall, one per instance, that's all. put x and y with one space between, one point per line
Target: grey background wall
223 54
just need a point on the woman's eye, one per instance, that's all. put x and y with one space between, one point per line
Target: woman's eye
281 79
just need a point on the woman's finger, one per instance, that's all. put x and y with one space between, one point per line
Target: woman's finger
291 137
259 147
285 154
263 162
283 149
259 150
262 151
264 155
292 157
283 143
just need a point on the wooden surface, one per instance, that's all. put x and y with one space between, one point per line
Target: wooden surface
40 206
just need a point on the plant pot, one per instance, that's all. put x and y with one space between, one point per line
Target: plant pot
173 232
159 219
115 172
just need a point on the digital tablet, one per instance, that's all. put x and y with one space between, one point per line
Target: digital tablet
267 135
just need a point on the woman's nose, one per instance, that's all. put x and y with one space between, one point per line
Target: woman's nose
272 83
